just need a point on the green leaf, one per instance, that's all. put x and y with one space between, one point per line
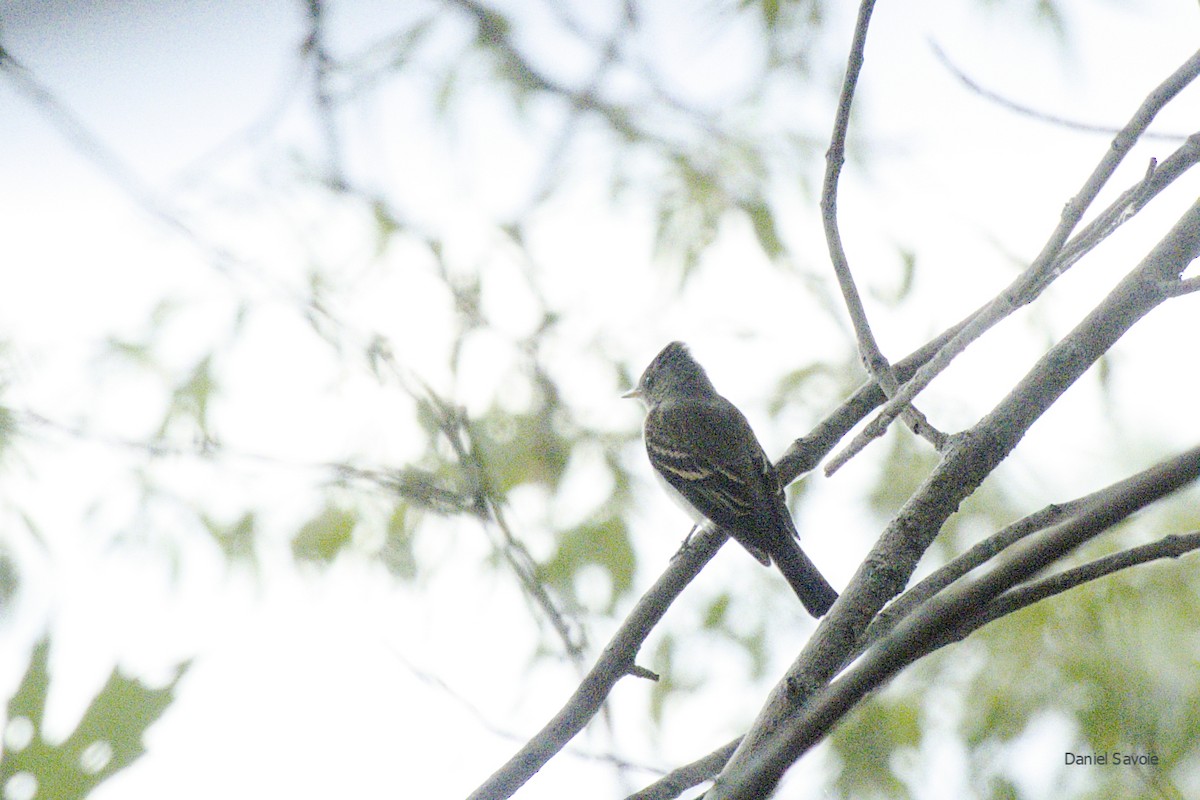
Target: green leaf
765 230
322 538
107 739
718 610
605 544
867 740
397 553
521 448
236 540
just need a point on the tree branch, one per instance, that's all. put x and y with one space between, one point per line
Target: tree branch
807 451
969 459
1040 273
958 612
1172 546
1186 287
676 781
868 348
614 663
1007 602
983 552
1027 111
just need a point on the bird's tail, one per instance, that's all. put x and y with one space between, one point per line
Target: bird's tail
806 580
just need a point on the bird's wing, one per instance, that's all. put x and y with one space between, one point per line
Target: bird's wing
708 453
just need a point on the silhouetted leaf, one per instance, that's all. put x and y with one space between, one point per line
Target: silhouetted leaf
107 739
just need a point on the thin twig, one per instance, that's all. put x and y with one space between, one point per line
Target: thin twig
807 451
1015 599
316 45
1185 286
972 456
1029 111
616 662
946 618
1033 280
675 782
868 348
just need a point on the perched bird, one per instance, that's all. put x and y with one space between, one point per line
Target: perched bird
709 460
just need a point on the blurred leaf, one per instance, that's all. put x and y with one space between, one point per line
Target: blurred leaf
322 538
908 273
107 739
908 461
714 616
663 661
867 740
811 387
236 540
190 400
139 353
386 226
430 416
1000 788
690 210
8 430
10 581
1051 15
783 16
763 220
516 449
769 9
397 553
605 544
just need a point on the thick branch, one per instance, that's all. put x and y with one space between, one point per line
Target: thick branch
802 456
969 459
945 618
983 552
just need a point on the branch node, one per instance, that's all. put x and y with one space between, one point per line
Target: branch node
636 671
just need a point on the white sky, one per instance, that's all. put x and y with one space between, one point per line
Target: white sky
311 684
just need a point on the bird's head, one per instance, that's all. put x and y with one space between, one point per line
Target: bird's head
672 373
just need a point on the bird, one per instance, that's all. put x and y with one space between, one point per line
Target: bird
709 460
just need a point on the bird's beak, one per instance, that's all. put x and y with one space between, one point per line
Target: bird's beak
633 394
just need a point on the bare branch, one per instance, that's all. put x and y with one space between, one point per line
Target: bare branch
1172 546
678 780
614 663
1130 202
1033 280
983 552
912 599
872 357
970 457
806 452
1027 111
1186 286
945 618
